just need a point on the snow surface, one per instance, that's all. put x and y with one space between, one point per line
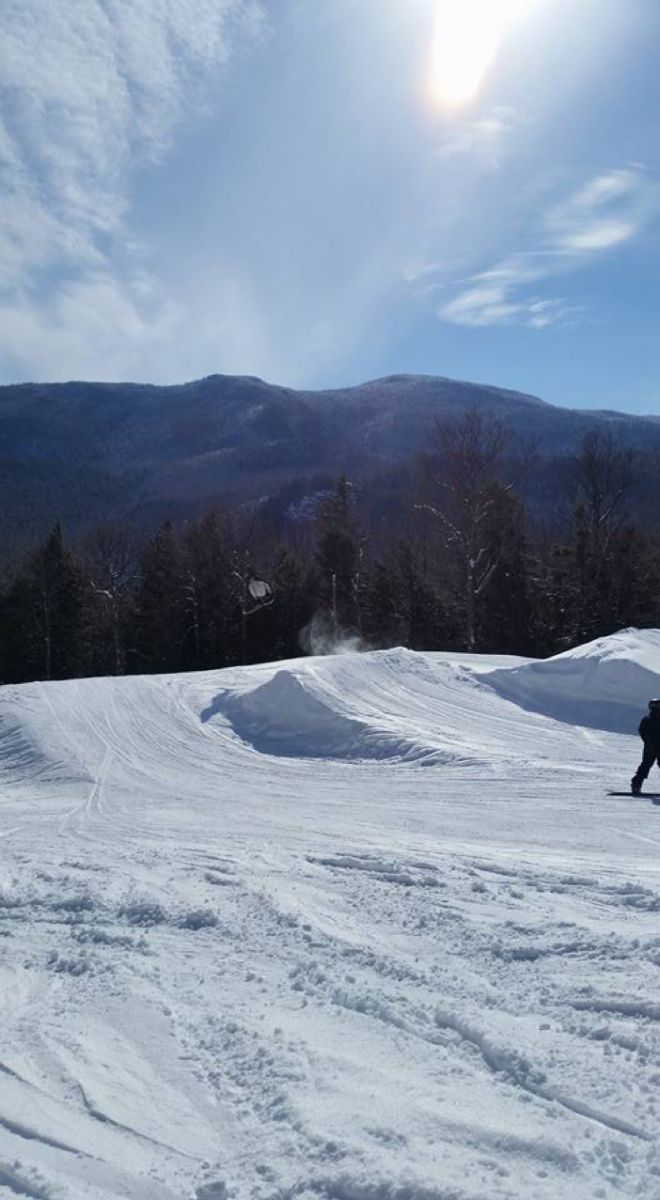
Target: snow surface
355 928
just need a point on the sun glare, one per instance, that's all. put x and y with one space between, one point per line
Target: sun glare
466 39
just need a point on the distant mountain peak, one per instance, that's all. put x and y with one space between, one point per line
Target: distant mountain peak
92 451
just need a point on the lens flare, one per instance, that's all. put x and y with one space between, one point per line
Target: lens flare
466 39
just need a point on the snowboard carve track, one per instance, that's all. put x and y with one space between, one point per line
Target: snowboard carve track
97 1115
518 1071
31 1135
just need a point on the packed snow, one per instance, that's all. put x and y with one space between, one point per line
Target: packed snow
366 927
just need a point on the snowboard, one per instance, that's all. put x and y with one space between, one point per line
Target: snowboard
653 796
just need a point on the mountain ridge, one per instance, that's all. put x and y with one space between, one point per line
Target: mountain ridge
149 445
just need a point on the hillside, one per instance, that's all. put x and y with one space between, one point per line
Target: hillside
135 450
367 927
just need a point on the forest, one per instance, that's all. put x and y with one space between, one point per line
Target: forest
456 557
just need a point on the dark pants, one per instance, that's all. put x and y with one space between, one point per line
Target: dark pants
650 756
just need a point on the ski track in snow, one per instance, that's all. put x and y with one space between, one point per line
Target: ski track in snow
357 928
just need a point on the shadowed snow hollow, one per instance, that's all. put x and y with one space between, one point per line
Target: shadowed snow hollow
23 755
605 684
297 715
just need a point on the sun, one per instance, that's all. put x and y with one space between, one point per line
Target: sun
466 39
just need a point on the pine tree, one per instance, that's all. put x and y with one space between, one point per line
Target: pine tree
338 557
506 612
211 600
160 605
384 623
428 621
281 625
43 611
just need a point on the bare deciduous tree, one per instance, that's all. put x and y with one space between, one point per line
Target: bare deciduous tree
110 555
604 474
466 476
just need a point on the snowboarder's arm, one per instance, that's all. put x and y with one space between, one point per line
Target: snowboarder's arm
644 728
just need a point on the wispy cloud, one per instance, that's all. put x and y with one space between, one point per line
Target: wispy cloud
508 294
91 90
484 139
606 212
92 327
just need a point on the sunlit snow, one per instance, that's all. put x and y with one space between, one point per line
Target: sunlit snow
367 927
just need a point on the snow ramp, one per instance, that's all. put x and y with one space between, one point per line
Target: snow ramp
24 756
294 715
605 684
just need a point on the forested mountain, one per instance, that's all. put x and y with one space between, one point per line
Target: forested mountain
443 550
86 452
161 529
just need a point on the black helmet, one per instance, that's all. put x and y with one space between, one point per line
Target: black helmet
654 705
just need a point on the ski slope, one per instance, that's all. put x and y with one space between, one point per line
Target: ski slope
365 927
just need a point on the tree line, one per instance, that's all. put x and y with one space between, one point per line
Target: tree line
456 561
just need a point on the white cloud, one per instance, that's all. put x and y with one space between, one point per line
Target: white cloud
600 235
94 327
483 304
497 297
90 90
608 211
97 327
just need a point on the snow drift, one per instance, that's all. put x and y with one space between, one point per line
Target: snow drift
605 684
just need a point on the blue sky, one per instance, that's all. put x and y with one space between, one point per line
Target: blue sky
325 191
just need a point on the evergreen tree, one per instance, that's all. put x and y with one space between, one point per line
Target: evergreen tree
338 557
384 623
160 628
506 614
211 601
427 619
277 630
548 581
42 612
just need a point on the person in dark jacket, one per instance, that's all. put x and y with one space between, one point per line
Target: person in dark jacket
649 731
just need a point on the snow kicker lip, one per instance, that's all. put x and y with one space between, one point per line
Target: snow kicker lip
23 758
289 717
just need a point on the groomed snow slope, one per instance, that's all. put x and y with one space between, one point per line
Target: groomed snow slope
359 928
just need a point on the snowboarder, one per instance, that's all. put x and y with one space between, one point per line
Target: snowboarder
649 731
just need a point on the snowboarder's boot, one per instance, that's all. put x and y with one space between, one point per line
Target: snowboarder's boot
635 786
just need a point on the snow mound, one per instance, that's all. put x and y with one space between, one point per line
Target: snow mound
605 684
23 758
293 715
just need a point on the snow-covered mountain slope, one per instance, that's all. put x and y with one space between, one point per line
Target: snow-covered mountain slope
354 928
